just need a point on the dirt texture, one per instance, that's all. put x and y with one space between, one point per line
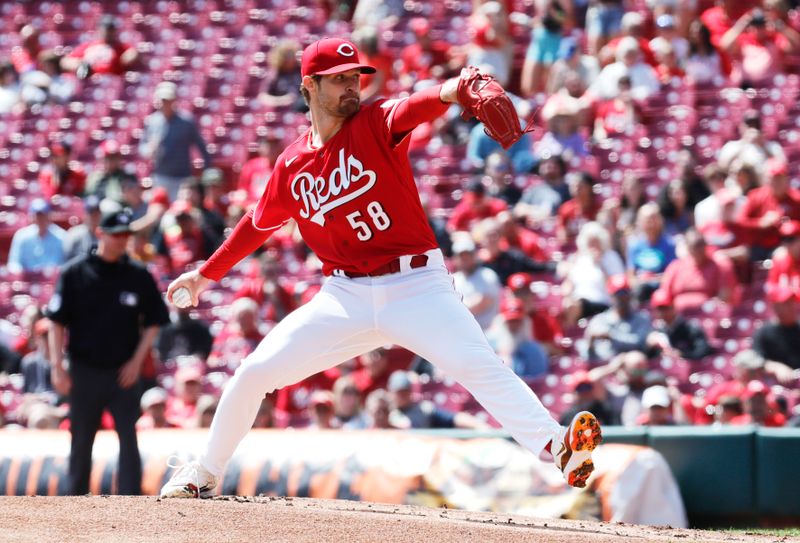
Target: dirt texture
136 519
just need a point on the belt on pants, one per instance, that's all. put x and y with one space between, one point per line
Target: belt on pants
393 266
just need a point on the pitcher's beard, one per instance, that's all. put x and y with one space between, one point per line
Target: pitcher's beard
348 107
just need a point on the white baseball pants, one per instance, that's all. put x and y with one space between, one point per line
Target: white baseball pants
417 309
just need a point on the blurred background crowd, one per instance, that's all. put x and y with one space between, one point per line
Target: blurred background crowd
637 255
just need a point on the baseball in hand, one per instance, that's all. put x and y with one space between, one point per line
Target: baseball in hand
182 298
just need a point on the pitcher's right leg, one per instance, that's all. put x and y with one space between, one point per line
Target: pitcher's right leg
333 327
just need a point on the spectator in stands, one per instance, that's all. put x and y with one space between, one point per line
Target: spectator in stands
603 22
182 407
61 86
668 67
757 46
347 404
211 221
719 18
106 182
168 138
82 238
425 59
632 26
618 215
491 46
705 63
474 206
39 245
104 55
510 337
698 277
256 171
34 88
268 290
727 410
478 285
410 412
501 183
154 410
743 178
709 209
778 341
644 81
563 137
374 372
35 366
542 200
672 334
480 147
215 196
378 406
666 32
650 250
24 56
377 12
9 88
582 208
545 327
320 409
504 261
785 270
282 87
573 70
206 408
766 207
586 272
184 336
592 396
61 177
619 329
759 407
748 365
695 185
381 83
625 395
544 46
184 241
657 407
618 116
752 148
516 236
240 336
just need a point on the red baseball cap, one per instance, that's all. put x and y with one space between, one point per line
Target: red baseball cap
514 311
780 294
332 56
777 166
617 283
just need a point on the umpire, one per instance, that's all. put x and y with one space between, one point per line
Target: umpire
112 309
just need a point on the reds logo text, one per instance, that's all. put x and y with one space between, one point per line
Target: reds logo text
318 195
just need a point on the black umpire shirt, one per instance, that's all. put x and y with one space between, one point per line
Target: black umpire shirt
105 306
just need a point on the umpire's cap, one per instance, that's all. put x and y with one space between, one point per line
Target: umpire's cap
117 222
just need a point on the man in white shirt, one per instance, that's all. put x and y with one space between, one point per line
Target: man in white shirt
752 148
479 286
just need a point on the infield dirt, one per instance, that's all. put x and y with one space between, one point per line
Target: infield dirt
138 519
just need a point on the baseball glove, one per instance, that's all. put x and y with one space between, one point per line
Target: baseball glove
483 97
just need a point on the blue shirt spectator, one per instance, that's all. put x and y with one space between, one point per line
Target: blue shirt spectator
39 245
481 145
646 256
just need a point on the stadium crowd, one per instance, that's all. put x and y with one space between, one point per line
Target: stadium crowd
638 255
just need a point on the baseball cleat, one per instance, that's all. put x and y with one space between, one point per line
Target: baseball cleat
574 455
191 480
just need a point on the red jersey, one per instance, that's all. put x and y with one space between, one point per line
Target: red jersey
68 183
759 202
785 272
104 58
354 199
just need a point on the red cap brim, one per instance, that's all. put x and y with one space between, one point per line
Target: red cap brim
365 69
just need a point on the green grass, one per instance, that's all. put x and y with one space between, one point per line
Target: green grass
775 532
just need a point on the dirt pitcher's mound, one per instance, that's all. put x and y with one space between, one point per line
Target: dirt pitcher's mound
132 519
